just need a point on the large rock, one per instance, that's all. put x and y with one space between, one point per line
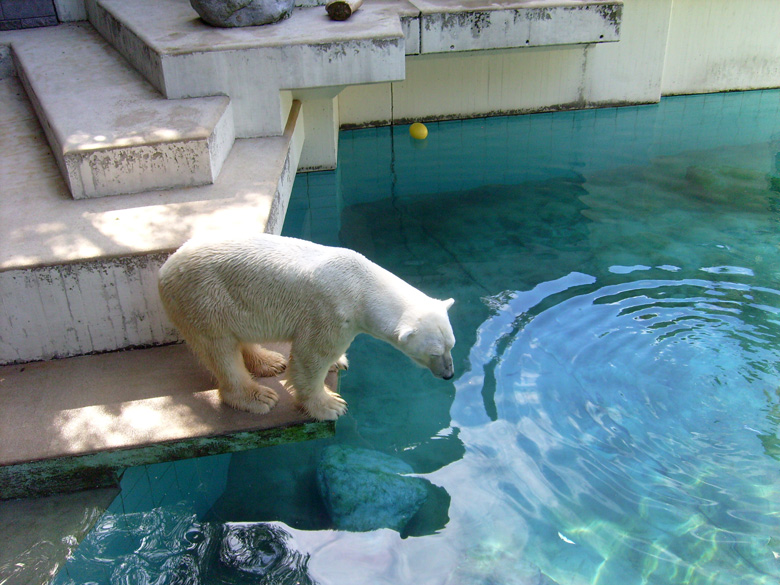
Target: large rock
366 490
232 13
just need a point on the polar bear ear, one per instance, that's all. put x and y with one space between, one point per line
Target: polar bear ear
448 303
405 332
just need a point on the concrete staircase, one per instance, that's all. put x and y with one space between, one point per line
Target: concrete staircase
125 138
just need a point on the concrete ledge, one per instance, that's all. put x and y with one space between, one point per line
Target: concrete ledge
73 424
110 132
473 25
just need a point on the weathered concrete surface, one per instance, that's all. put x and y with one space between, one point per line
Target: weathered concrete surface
182 56
73 424
478 25
109 130
80 276
256 66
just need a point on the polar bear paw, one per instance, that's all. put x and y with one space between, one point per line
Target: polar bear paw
341 364
256 399
262 362
326 405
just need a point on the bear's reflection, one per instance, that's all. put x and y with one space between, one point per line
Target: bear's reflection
170 545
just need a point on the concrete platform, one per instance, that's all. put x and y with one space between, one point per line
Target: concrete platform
110 131
184 57
74 424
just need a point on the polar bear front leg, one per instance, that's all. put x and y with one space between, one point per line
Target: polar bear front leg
236 387
306 374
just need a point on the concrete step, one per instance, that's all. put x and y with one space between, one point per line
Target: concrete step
110 131
74 424
255 66
79 277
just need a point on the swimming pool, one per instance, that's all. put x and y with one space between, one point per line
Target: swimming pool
614 414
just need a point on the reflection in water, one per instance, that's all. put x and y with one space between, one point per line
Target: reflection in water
630 423
614 404
259 553
170 546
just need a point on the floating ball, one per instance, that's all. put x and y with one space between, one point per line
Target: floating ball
418 131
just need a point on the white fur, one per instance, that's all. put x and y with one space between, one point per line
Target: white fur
227 295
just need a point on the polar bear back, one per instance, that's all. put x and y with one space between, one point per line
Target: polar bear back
269 287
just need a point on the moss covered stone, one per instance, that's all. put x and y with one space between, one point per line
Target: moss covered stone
366 490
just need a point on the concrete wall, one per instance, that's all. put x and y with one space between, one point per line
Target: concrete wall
720 45
665 47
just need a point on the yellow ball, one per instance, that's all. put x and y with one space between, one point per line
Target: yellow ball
418 131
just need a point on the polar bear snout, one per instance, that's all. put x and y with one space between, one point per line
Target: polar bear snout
441 366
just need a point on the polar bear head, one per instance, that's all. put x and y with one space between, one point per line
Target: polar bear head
426 337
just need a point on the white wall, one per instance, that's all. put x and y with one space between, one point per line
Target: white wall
719 45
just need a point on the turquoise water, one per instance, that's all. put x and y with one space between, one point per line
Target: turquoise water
614 414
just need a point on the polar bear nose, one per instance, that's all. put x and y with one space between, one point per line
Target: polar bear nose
448 376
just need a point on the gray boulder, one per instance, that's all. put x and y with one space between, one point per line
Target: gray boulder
366 490
232 13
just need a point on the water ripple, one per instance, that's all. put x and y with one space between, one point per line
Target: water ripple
646 416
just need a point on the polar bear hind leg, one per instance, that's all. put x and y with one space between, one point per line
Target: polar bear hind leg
305 378
225 358
262 362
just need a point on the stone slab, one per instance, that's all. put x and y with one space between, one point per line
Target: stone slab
110 131
74 423
174 28
473 25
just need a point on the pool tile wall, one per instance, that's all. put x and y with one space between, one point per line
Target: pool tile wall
199 482
315 207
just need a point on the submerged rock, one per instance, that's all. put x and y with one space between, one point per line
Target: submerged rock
233 13
366 490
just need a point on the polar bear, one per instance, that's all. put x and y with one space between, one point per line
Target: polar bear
227 295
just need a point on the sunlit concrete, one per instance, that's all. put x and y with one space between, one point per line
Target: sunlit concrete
109 130
67 424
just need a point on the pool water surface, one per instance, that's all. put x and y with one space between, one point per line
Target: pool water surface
614 417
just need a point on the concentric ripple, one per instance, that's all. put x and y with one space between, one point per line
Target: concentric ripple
645 415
